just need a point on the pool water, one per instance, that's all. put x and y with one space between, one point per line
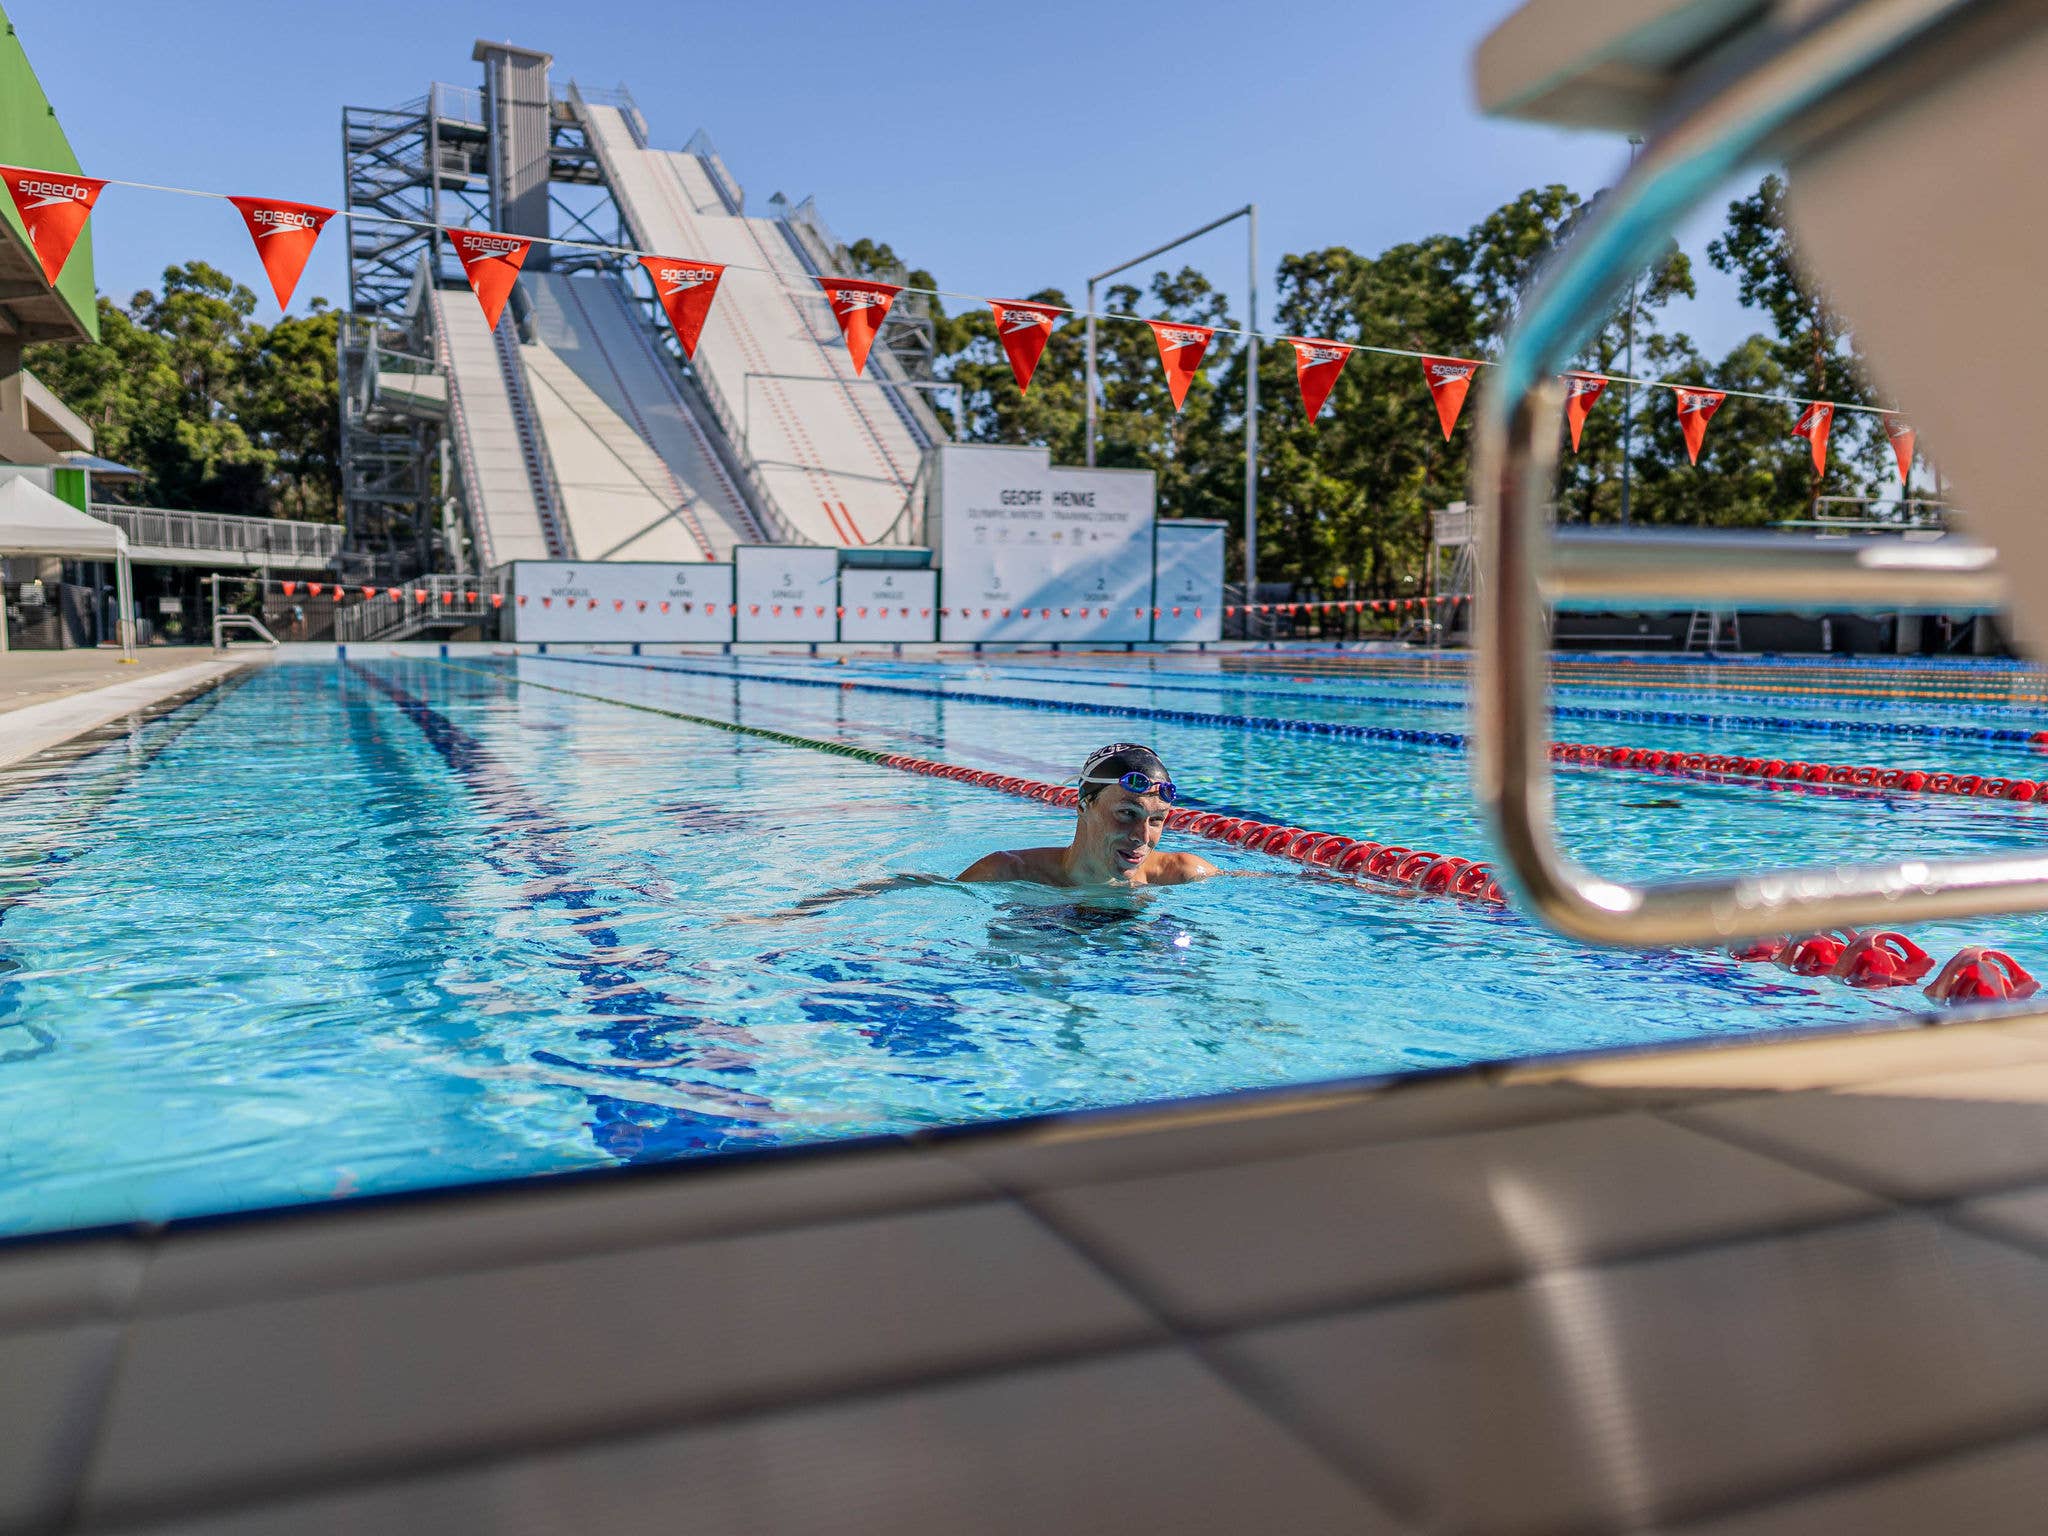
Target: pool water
345 928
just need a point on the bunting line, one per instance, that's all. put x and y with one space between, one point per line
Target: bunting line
1902 438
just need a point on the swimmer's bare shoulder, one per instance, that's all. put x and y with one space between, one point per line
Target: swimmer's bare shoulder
1039 864
1178 869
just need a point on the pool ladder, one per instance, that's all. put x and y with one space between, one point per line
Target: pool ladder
1802 85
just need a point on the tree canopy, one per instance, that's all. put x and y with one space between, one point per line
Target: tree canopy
218 411
1345 499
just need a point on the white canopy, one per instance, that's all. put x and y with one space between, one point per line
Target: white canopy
34 522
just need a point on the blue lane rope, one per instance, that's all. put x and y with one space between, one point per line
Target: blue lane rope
1399 735
1912 729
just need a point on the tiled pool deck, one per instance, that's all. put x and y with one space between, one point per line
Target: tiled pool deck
1759 1290
1786 1289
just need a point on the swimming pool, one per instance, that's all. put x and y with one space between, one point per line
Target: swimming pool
353 927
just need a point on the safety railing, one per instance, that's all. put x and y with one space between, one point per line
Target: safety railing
729 189
151 528
223 622
422 604
908 526
1797 85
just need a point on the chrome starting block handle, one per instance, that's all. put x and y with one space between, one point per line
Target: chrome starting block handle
1797 86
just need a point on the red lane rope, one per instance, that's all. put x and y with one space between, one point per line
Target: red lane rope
1793 771
1871 960
1415 869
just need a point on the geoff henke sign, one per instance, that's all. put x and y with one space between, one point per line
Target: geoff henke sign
1029 551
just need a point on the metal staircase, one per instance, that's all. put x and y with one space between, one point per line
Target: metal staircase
1705 629
540 469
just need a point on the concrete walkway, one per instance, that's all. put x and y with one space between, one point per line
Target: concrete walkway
48 697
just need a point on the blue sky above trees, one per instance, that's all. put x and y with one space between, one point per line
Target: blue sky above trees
1004 149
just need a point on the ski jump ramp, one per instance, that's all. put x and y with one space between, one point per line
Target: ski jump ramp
836 455
578 437
637 473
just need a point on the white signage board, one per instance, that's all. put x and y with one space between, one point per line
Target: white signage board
1187 580
625 600
787 592
1030 551
888 603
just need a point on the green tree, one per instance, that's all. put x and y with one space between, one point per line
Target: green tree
217 411
1812 346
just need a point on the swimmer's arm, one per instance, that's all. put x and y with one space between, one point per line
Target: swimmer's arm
824 899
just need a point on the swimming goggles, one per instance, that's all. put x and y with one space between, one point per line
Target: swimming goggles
1138 784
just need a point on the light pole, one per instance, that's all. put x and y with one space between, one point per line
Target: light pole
1628 390
1250 214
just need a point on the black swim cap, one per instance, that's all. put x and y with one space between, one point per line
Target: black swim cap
1114 761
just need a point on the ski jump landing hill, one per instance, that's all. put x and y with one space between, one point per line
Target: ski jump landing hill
579 434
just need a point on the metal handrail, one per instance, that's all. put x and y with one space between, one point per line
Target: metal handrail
1799 83
227 621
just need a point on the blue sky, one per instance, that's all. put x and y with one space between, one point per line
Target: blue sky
1005 149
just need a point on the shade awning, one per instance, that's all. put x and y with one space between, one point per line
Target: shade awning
34 522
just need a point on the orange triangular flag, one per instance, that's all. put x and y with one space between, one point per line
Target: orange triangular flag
1024 329
1449 378
1181 349
1316 366
491 262
1902 440
1696 408
1581 393
54 206
685 289
1813 424
860 308
285 234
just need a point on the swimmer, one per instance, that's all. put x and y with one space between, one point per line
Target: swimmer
1125 793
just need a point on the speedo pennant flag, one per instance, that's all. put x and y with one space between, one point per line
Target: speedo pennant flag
491 262
1813 424
1449 379
1581 393
1902 439
284 234
1696 408
860 308
1316 366
1024 330
686 289
1181 349
54 206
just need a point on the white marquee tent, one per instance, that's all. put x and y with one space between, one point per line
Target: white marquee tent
34 522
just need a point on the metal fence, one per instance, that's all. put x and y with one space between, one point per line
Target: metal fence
224 533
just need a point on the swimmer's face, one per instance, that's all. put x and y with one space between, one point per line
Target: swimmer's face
1123 827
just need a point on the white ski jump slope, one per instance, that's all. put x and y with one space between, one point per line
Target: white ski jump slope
505 514
836 456
638 480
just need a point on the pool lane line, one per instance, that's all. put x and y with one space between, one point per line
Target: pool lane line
516 815
1401 870
1612 715
1582 676
1342 856
1855 781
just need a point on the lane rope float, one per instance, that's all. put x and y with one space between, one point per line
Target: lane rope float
1613 714
1825 777
1874 960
